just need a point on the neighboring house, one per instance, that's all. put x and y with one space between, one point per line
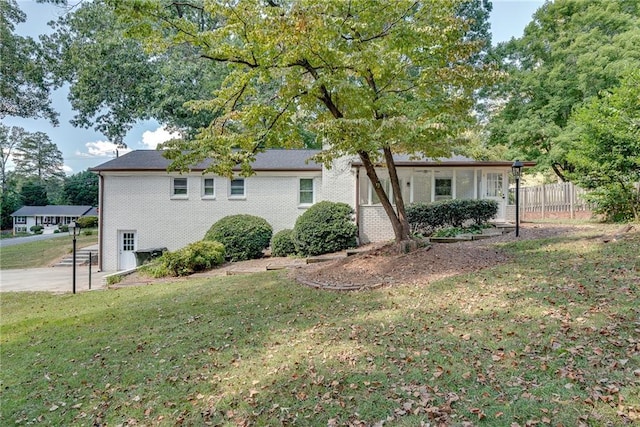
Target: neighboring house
49 217
144 206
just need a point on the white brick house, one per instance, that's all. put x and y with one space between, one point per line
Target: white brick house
144 206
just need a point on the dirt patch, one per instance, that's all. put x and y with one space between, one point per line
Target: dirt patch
383 266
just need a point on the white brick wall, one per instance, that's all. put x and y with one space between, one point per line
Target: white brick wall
374 225
143 203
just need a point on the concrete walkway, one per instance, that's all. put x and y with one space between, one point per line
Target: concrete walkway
50 279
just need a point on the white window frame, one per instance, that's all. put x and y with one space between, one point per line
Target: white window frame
21 220
204 194
244 188
312 191
174 188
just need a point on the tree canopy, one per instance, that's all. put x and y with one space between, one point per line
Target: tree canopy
24 82
606 152
114 82
370 78
82 189
569 53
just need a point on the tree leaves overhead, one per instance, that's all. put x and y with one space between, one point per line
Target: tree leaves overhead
24 83
569 52
366 76
114 81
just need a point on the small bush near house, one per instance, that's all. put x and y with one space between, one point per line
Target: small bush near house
425 218
198 256
87 232
87 222
63 228
325 227
56 231
243 236
282 243
36 229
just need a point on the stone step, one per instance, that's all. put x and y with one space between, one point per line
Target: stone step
82 258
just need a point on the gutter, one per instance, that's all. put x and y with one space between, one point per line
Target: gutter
100 220
357 204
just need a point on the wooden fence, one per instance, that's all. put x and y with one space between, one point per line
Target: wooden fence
563 200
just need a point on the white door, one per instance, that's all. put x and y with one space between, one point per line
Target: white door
126 247
495 190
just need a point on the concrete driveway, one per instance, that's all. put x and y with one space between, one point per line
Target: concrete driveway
50 279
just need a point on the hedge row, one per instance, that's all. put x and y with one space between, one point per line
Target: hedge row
425 218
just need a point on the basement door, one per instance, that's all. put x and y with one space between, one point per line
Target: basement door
127 242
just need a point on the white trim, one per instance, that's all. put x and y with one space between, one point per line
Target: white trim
242 196
313 192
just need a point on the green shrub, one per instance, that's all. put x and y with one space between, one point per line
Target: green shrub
63 228
198 256
56 231
37 229
243 236
87 222
282 243
425 218
325 227
87 232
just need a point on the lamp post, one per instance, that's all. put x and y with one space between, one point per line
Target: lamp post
73 226
516 169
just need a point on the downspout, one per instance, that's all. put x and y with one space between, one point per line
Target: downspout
100 220
357 204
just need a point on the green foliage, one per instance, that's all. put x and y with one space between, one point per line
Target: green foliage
37 157
243 236
37 229
425 218
570 52
114 80
325 227
87 222
34 193
81 189
198 256
456 231
9 203
87 232
367 78
606 150
282 243
24 87
63 227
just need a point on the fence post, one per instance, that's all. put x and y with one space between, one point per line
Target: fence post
572 190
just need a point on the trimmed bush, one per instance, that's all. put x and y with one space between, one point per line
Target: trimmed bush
63 228
37 229
87 222
243 236
325 227
198 256
282 243
425 218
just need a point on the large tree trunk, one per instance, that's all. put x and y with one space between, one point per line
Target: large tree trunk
401 232
397 193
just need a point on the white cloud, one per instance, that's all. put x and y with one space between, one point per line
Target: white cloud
151 139
67 170
102 149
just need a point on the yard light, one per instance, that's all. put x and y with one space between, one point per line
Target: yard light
516 169
73 227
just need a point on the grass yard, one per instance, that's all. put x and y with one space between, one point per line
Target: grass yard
551 338
42 253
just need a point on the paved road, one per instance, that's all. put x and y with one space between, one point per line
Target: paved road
50 279
26 239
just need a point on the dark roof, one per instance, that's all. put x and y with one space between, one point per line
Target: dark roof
270 160
52 210
278 160
453 161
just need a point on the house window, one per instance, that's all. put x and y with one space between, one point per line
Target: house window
179 187
306 191
236 188
208 189
443 188
21 220
386 186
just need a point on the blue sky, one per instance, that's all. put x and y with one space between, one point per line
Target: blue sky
85 148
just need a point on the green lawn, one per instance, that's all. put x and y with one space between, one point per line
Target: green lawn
551 338
42 253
